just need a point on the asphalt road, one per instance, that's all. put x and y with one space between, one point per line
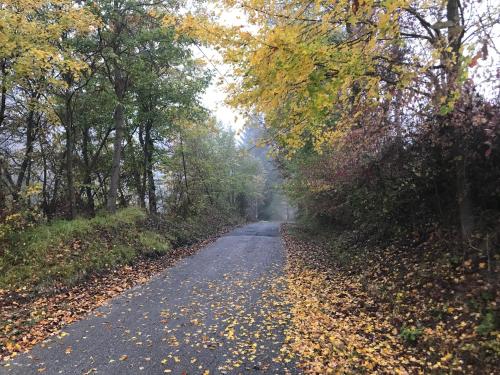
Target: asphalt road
217 311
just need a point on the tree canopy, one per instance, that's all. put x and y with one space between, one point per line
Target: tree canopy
100 108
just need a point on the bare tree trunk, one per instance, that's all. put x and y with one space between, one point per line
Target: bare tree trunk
117 149
464 199
452 64
3 98
141 184
59 172
45 203
6 179
184 170
136 171
3 200
30 125
87 179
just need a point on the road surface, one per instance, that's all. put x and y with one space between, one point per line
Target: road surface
216 312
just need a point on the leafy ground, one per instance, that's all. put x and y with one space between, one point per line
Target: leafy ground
216 312
62 271
398 309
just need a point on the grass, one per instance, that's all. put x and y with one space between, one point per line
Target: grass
65 252
154 244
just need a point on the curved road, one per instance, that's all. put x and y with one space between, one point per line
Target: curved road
217 312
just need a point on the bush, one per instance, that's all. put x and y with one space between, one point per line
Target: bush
187 229
388 185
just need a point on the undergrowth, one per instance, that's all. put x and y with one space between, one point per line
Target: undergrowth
65 252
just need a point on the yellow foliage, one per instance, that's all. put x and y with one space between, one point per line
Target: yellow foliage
30 34
310 62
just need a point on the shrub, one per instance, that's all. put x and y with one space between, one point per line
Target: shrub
154 244
410 335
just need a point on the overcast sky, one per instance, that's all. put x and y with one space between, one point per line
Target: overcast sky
214 100
215 96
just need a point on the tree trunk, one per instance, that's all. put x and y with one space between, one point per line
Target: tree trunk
87 179
6 179
136 172
141 186
464 199
148 149
3 98
70 191
184 170
117 149
452 64
59 172
119 120
30 125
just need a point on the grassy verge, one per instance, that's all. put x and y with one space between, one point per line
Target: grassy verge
63 253
55 274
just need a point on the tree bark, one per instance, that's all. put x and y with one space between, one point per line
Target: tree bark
141 186
136 172
6 179
59 172
120 83
455 34
30 125
184 170
148 149
3 98
45 202
87 179
68 124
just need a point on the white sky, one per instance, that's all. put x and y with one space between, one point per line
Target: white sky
215 96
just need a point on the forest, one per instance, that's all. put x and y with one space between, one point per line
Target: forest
376 123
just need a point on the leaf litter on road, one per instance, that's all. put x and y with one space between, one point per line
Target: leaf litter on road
28 318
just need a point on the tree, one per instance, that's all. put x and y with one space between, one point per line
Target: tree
325 75
32 63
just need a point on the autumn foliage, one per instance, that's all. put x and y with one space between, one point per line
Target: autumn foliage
384 118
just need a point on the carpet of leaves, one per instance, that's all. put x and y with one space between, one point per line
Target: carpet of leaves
27 318
394 310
